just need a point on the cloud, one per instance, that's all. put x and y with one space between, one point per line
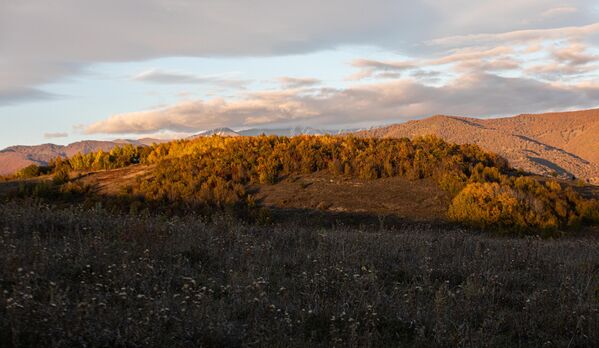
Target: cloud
542 60
23 94
574 54
55 135
189 116
472 94
380 69
45 41
559 11
298 82
178 78
519 36
466 59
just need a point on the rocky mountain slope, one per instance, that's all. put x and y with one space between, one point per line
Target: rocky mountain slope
562 143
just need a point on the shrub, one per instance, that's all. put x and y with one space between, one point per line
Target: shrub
484 205
61 176
30 171
452 183
522 204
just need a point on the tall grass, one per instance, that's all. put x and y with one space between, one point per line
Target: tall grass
89 277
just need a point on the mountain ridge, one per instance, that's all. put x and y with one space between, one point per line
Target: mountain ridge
16 157
565 144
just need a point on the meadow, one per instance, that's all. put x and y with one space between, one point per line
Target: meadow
74 276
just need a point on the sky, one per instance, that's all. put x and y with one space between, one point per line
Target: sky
78 69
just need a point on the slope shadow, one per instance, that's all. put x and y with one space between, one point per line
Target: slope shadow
548 164
552 148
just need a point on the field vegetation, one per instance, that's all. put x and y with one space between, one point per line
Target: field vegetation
75 276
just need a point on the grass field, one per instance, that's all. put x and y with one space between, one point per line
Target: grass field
78 277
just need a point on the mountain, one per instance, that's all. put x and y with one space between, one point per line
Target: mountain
562 143
293 131
288 131
16 157
223 132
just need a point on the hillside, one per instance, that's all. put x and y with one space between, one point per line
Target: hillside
16 157
331 197
421 179
566 143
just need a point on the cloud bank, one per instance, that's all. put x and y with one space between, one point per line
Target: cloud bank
476 95
45 41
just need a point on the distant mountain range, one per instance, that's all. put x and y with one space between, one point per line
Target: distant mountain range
562 143
270 131
16 157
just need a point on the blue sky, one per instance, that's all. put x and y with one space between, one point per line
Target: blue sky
74 70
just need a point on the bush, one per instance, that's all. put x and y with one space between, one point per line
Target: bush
484 205
452 183
522 204
30 171
61 176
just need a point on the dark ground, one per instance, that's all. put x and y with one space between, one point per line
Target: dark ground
75 277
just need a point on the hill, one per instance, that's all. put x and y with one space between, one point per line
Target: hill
563 143
421 179
16 157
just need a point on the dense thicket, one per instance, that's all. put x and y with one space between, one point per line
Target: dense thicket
217 171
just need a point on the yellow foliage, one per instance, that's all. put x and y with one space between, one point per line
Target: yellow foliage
215 171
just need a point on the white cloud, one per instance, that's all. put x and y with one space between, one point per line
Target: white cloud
464 60
574 54
297 82
174 77
476 94
55 135
519 36
380 69
559 11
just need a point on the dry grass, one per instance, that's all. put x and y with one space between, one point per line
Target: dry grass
420 200
74 277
